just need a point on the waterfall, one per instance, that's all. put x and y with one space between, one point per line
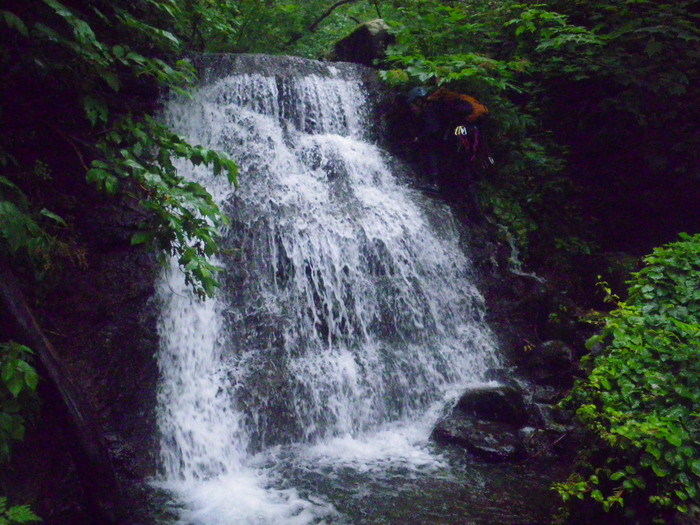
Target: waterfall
348 313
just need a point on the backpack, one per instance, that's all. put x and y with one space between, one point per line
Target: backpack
460 101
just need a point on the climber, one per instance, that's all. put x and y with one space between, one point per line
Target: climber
450 129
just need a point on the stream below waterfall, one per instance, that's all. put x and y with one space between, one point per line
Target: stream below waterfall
347 323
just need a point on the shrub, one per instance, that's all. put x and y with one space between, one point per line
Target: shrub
641 400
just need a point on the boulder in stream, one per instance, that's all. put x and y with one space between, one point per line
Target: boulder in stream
487 440
500 404
367 42
486 421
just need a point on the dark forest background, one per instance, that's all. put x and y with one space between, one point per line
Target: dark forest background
594 125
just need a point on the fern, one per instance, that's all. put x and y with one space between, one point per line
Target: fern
17 514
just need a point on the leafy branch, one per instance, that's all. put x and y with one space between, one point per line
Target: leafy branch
184 219
125 152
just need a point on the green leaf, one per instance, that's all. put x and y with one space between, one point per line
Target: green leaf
695 467
97 175
674 439
14 384
659 470
31 378
14 22
49 214
95 109
111 184
59 8
142 237
21 514
111 79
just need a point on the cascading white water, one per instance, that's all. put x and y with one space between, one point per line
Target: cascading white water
348 313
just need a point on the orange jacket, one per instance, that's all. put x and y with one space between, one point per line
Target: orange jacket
450 98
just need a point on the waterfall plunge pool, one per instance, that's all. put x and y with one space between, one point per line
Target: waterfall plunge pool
391 477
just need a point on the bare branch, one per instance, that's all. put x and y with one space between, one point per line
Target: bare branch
328 12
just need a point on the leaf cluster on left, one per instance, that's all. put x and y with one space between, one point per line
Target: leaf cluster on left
81 80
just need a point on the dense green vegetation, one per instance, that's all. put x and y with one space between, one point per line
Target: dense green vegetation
605 86
594 113
641 400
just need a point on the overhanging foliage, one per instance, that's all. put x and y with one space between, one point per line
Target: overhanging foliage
89 72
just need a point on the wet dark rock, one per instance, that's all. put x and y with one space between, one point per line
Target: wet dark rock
516 303
505 376
547 442
505 423
502 404
101 317
550 363
565 321
562 328
485 421
549 414
487 440
546 394
367 42
537 415
535 440
562 417
555 355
